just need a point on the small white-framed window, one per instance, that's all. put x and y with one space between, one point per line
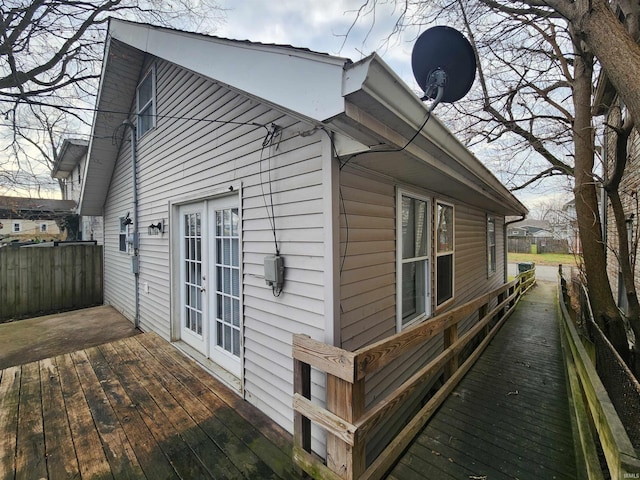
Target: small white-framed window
413 277
445 250
43 227
145 102
491 245
123 245
17 227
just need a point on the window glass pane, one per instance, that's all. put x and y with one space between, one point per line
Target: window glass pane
491 244
145 91
420 228
408 222
236 343
414 290
444 287
218 223
445 228
145 120
234 222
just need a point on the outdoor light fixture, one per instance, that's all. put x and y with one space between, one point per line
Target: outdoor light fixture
156 229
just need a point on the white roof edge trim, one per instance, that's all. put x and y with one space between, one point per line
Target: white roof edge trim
305 82
373 76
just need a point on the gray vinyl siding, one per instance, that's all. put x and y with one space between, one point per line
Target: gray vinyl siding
368 280
367 250
471 261
185 159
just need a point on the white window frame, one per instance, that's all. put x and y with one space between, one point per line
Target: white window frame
16 227
400 261
149 105
444 253
492 260
43 228
123 233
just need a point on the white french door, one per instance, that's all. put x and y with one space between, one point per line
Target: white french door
210 280
193 262
225 334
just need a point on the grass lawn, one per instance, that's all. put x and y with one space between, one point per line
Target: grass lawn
543 258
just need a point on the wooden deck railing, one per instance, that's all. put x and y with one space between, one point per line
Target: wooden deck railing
345 418
594 413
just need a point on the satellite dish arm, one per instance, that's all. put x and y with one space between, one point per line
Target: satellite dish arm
435 87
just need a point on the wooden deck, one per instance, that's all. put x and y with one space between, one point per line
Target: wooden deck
135 408
509 416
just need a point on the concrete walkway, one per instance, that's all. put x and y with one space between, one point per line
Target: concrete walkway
24 341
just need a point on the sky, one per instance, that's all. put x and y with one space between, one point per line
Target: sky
328 26
322 25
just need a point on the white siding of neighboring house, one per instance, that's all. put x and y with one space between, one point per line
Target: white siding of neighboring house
29 229
183 159
368 278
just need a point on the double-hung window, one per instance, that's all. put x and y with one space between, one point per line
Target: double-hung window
413 260
146 108
122 234
491 245
444 252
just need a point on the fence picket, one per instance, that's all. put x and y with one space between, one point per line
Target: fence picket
42 280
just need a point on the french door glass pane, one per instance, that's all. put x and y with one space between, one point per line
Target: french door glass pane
192 258
227 281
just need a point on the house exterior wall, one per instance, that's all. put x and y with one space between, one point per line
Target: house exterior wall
629 187
368 278
182 160
30 229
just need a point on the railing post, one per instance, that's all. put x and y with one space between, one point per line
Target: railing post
302 385
346 400
482 312
450 337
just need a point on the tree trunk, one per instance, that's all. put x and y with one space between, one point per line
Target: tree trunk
605 311
616 50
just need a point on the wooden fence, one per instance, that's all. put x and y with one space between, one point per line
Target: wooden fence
345 418
537 245
42 280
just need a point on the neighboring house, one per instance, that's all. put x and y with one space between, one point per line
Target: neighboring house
32 218
608 104
535 236
245 153
529 227
69 167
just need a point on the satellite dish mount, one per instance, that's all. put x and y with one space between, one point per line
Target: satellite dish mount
444 65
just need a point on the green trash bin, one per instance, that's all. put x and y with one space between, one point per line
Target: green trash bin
525 266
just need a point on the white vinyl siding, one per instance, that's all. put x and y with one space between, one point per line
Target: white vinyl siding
118 279
185 160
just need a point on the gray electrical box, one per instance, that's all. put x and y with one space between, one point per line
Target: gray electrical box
274 271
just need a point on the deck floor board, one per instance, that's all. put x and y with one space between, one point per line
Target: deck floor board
133 408
509 417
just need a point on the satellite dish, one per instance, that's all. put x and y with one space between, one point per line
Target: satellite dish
443 64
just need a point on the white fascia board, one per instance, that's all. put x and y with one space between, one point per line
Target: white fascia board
373 77
304 82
